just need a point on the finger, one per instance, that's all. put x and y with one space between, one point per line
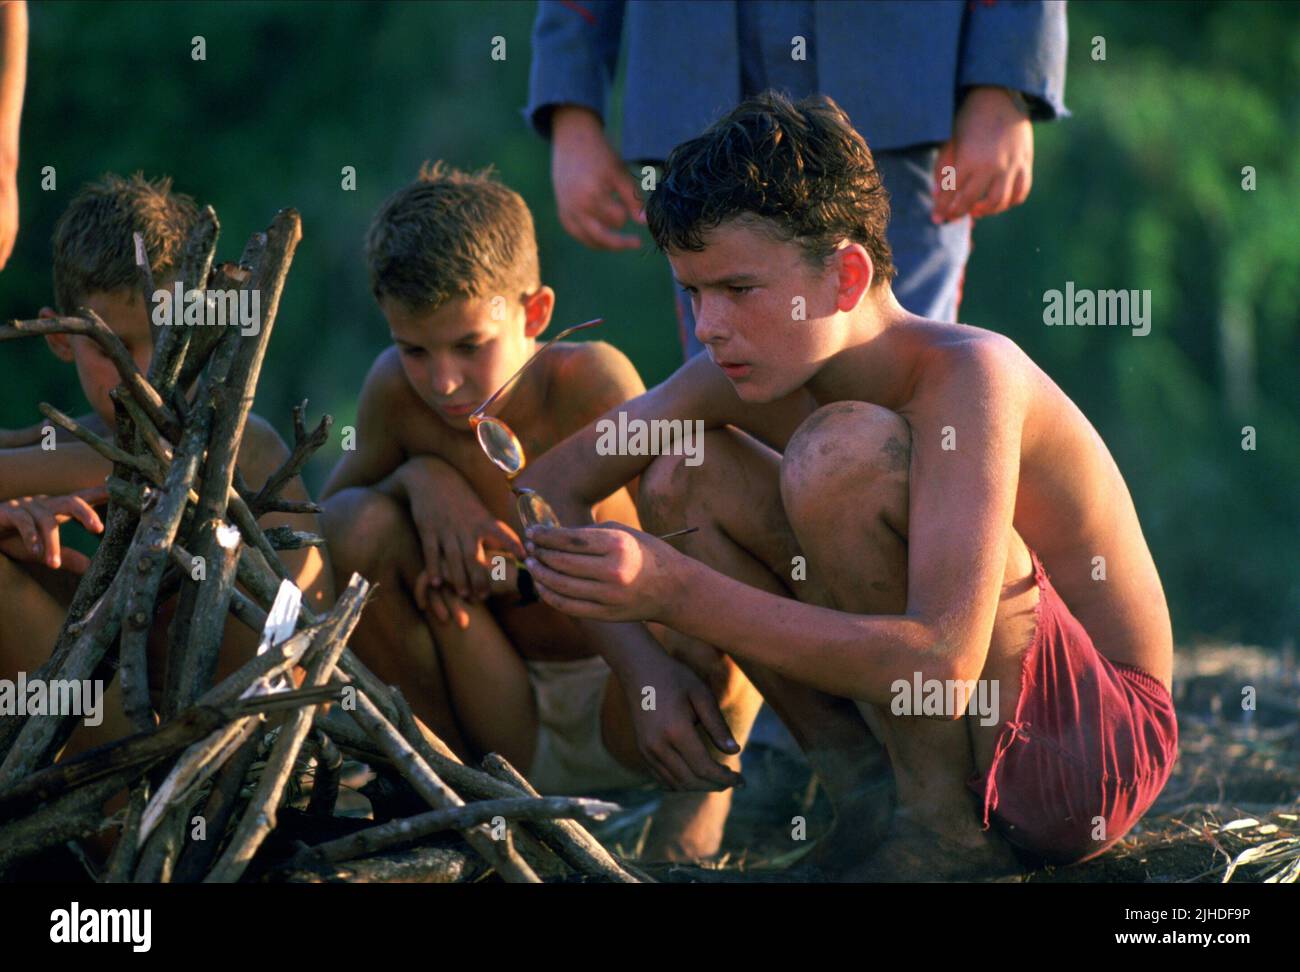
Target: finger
75 507
601 237
432 550
706 771
626 190
572 606
417 590
969 192
21 520
75 562
657 770
455 576
575 565
687 778
581 588
712 720
437 597
506 539
95 495
582 540
455 608
48 526
479 579
995 198
1024 180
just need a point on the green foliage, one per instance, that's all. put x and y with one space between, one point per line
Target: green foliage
1141 189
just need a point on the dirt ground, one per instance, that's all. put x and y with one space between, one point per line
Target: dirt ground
1235 790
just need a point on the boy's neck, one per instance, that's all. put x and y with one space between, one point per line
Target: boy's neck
873 365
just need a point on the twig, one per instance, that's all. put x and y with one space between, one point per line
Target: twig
440 796
304 445
384 836
325 784
259 819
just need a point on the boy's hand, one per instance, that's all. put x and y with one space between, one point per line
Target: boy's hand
672 736
608 572
992 153
456 532
29 527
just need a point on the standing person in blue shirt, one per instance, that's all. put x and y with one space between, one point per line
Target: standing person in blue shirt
929 85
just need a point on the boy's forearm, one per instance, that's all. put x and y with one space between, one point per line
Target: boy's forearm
624 645
848 655
32 471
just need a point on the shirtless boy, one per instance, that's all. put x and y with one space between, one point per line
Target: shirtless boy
41 489
938 510
418 508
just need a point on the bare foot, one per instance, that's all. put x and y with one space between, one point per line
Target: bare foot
912 852
687 827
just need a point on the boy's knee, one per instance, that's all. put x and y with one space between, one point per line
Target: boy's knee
848 451
671 482
363 529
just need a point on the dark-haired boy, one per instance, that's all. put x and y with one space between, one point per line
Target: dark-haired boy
94 267
930 476
420 509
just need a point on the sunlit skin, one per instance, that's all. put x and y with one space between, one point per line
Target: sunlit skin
918 555
458 354
37 582
420 508
128 317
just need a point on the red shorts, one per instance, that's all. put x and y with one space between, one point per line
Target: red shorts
1090 748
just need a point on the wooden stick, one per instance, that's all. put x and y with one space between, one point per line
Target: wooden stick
91 325
440 796
260 817
420 865
569 839
304 446
197 857
373 839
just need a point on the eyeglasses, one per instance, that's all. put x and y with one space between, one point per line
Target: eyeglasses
500 444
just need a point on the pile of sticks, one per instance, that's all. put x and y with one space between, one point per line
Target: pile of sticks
176 495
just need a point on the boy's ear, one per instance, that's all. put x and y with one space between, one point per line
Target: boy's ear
60 344
537 310
856 272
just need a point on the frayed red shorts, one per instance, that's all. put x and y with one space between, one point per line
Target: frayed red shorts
1090 747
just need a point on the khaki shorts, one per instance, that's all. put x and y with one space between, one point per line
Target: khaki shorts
571 758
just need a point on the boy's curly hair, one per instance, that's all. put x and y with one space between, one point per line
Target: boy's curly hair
94 247
452 234
801 167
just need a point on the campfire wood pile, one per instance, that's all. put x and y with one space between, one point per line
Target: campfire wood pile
176 494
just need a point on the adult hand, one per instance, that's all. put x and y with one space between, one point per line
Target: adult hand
992 155
594 192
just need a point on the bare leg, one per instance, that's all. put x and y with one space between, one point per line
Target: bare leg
734 499
855 456
372 534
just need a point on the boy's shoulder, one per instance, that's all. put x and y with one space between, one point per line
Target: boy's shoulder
587 378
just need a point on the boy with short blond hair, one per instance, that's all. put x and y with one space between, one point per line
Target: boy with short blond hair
419 508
